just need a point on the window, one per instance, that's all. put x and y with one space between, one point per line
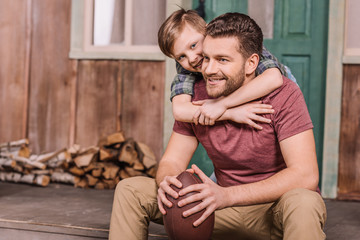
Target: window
263 13
352 33
116 29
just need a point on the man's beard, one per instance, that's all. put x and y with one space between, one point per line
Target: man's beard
230 86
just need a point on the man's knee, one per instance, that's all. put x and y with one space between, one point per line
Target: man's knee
138 189
302 198
302 204
131 187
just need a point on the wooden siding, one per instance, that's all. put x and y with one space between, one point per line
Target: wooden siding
142 102
50 76
55 101
13 69
96 100
349 159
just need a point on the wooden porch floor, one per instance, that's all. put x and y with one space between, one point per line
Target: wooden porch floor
64 212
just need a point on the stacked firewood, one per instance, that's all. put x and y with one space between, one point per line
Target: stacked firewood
101 167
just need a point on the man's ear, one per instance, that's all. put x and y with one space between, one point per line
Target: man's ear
251 64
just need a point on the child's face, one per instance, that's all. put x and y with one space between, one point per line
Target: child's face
187 49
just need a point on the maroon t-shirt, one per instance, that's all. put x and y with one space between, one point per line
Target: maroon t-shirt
242 154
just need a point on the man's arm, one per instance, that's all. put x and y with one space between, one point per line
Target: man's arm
301 172
176 158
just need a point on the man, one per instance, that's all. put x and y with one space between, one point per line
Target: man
267 180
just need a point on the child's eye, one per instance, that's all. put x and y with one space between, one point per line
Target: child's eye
193 46
223 60
181 57
205 58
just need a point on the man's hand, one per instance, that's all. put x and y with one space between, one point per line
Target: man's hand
164 187
209 193
208 112
248 113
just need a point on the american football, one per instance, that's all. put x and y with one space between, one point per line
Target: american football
179 227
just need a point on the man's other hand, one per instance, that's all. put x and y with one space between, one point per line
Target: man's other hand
209 193
164 187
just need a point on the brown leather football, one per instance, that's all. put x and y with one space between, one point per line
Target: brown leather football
179 227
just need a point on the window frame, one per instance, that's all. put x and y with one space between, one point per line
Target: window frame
350 55
81 46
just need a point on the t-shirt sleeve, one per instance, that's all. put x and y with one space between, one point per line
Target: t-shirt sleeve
291 114
183 128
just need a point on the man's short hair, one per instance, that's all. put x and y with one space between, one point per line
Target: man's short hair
173 26
240 26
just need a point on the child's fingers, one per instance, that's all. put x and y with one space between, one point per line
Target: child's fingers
196 117
261 105
202 119
199 102
254 125
263 110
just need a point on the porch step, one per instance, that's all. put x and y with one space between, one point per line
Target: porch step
57 211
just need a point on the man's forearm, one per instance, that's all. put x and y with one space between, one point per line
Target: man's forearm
269 190
166 169
177 156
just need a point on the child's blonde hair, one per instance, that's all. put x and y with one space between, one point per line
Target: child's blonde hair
173 26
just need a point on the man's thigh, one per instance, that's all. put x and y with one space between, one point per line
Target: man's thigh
248 222
299 214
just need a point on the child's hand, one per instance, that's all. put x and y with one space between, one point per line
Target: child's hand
247 113
209 112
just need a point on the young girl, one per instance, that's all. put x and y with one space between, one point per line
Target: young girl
181 37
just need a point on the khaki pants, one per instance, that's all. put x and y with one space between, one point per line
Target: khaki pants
298 214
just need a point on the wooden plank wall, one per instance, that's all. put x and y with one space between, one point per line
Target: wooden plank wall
349 156
14 62
56 101
51 74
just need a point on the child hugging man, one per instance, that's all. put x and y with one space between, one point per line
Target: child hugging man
180 37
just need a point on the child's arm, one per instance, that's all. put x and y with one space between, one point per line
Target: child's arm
262 85
182 89
183 109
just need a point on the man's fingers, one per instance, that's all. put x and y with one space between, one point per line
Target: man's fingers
194 209
165 186
198 208
203 217
163 200
160 205
200 173
193 198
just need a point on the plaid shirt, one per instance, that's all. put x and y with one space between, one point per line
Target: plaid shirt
184 80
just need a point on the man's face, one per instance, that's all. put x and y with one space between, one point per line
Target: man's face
187 49
223 66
